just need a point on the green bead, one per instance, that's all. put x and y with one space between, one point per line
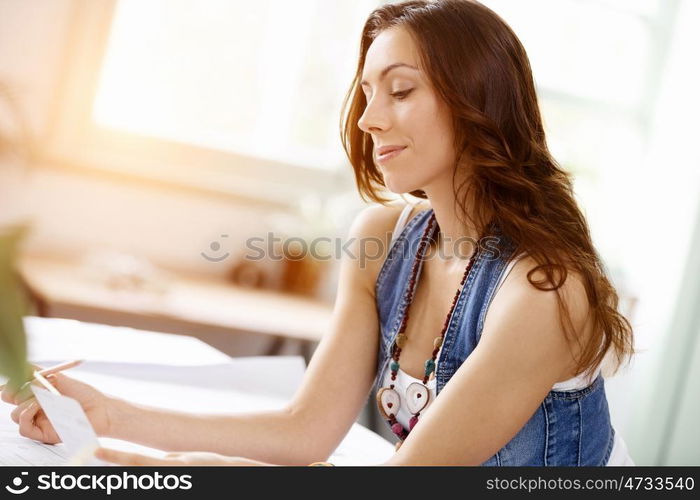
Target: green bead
394 366
429 366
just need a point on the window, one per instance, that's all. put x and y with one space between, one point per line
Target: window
596 68
173 88
263 79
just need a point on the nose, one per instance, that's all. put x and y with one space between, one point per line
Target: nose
373 119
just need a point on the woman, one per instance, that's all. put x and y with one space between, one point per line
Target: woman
443 106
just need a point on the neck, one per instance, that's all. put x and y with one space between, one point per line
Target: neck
455 241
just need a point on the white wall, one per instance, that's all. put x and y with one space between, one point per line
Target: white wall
74 212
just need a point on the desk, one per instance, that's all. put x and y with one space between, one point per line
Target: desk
191 305
176 372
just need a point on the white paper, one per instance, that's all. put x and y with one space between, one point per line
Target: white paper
166 371
71 424
18 450
162 394
53 340
276 376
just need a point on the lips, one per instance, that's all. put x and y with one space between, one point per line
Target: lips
389 152
388 149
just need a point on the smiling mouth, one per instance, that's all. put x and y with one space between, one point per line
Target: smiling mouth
390 155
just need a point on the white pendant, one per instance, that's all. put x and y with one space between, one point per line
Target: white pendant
417 397
388 401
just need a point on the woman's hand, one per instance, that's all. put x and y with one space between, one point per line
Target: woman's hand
176 458
33 422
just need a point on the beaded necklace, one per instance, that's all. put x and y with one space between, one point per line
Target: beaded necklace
417 394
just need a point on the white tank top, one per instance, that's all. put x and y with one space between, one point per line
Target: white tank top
619 454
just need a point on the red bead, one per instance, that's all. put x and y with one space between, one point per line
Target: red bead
397 429
412 423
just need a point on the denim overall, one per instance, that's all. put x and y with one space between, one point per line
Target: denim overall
569 428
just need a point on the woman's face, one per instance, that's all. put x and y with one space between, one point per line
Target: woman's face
404 110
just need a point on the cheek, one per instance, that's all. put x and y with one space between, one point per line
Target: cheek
434 138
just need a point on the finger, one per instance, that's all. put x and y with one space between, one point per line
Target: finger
53 380
17 411
18 396
45 428
24 393
7 395
58 380
26 416
127 458
27 426
10 395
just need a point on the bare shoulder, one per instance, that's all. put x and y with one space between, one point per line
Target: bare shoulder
378 221
572 291
371 232
520 306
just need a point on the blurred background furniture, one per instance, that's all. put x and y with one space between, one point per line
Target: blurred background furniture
237 320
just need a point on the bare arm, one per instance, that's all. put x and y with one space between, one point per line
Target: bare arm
308 429
334 389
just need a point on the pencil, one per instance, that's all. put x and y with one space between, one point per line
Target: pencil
61 367
51 370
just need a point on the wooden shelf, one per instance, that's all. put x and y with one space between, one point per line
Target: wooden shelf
189 305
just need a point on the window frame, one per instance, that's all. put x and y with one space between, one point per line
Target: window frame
75 142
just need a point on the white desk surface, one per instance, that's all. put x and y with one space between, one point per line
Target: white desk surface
169 371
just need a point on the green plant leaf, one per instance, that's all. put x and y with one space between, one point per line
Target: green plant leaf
13 343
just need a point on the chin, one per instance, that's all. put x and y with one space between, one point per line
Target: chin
400 186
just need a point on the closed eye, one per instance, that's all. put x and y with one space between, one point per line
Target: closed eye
401 95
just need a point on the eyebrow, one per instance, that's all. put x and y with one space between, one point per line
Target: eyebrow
387 69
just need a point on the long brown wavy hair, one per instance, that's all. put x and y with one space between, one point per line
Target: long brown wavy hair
479 68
